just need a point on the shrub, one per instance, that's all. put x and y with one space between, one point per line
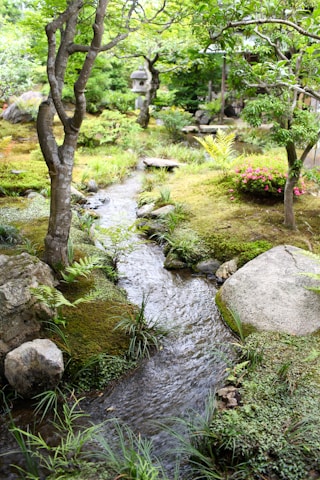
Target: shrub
108 128
174 119
265 181
123 102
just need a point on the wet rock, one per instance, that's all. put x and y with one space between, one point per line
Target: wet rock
20 313
92 186
96 201
208 267
145 210
77 197
162 211
270 293
34 367
173 263
226 270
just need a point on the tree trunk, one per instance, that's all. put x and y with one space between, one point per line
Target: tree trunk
59 161
294 171
154 84
56 241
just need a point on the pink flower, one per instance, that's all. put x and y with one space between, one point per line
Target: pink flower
279 190
266 188
231 190
231 198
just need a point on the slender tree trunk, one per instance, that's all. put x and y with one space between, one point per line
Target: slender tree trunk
60 162
294 171
154 84
223 87
56 241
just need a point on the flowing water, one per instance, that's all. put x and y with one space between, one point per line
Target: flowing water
176 381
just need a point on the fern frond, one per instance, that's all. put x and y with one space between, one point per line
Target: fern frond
50 296
219 148
82 268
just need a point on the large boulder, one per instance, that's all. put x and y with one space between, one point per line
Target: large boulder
24 108
269 292
34 367
20 313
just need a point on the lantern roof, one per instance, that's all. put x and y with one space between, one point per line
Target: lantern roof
139 74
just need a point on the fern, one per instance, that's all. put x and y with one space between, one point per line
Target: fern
220 148
50 296
81 268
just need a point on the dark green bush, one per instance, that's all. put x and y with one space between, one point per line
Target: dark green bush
174 119
108 128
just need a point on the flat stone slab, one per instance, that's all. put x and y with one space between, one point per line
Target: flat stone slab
205 128
270 292
161 163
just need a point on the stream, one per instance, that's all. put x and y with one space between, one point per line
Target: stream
178 380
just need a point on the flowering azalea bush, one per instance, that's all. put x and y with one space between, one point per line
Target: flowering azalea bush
265 181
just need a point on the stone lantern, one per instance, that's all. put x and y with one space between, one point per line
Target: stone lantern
139 81
139 84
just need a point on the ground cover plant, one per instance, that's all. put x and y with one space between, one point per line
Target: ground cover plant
272 433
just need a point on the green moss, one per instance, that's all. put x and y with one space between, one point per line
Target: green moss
225 248
90 329
19 131
32 175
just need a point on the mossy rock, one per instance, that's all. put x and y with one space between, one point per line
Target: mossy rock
243 329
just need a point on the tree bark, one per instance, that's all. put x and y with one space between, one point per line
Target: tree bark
60 159
294 171
154 84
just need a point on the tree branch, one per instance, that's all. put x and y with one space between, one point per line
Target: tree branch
272 44
80 84
280 21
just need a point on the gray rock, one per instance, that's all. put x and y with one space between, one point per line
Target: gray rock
92 186
20 313
34 367
208 267
18 112
173 263
145 210
269 292
162 211
78 197
227 269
